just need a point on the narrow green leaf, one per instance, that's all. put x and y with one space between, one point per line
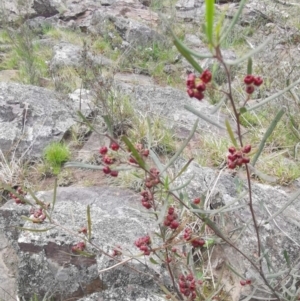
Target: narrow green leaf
84 254
184 50
149 133
166 183
235 19
267 135
208 119
54 195
35 230
152 260
183 169
243 110
182 147
219 105
188 57
287 258
85 120
109 125
89 222
183 185
210 7
274 96
90 166
156 161
230 133
249 66
8 188
134 152
250 53
287 204
261 175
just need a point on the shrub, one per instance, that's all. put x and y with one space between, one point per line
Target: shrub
55 154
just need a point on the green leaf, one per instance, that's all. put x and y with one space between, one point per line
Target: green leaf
210 7
267 135
243 110
134 152
156 161
54 195
249 66
183 185
188 57
250 53
184 50
35 230
224 34
85 120
230 133
274 96
152 260
287 258
208 119
261 175
287 204
91 166
166 183
149 134
109 125
182 147
183 169
89 222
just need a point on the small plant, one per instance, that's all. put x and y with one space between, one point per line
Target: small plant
55 155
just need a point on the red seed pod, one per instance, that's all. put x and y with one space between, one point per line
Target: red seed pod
174 225
114 146
249 89
190 92
108 160
231 165
103 150
190 82
198 95
258 81
132 160
248 281
243 282
106 170
147 205
171 210
206 76
149 184
167 223
247 149
197 201
201 87
145 152
248 79
239 161
232 149
246 160
114 173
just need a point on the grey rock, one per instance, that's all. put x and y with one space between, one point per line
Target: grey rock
46 8
130 30
32 117
107 2
276 236
168 103
46 264
66 54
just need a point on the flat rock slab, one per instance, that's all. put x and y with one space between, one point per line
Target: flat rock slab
168 103
47 265
32 117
